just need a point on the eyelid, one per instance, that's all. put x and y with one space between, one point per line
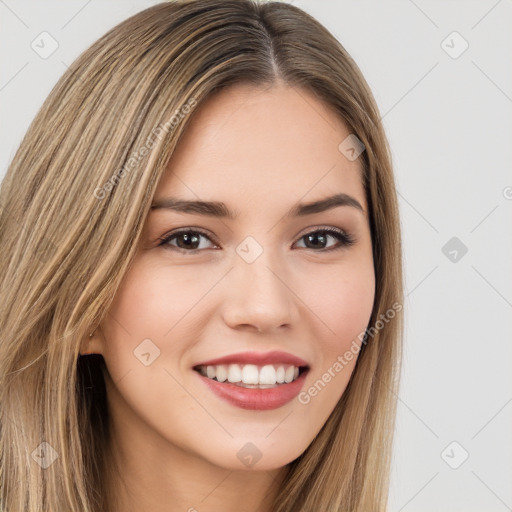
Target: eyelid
314 229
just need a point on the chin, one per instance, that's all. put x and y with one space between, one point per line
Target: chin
256 456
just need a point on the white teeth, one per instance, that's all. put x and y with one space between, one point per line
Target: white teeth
251 374
288 375
221 373
268 375
234 373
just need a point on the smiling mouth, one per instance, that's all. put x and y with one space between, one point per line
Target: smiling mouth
251 375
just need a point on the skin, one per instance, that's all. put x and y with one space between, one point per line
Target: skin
261 151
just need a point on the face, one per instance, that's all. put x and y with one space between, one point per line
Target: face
255 286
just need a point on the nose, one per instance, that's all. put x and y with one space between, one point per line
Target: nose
258 297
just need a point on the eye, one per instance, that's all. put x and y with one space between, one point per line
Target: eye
320 237
187 240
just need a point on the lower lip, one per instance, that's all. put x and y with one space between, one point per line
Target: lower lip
253 398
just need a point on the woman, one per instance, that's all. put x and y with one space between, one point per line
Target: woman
201 274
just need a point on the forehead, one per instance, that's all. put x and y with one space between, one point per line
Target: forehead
262 146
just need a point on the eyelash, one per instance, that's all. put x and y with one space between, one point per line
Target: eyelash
345 239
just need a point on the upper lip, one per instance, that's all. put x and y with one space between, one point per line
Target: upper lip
257 358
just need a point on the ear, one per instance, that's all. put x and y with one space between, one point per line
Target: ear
92 344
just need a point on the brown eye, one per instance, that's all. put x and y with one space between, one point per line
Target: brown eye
319 239
187 240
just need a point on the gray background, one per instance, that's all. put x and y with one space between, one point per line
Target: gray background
447 113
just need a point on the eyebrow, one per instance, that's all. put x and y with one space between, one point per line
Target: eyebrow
220 210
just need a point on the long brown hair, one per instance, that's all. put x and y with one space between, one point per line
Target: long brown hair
73 204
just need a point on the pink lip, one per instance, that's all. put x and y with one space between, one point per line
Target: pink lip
257 358
253 398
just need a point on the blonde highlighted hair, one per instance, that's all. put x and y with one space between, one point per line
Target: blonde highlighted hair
73 204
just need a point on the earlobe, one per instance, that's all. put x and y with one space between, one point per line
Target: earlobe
91 345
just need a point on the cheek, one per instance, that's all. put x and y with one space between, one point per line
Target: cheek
340 305
153 300
159 303
343 302
348 308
